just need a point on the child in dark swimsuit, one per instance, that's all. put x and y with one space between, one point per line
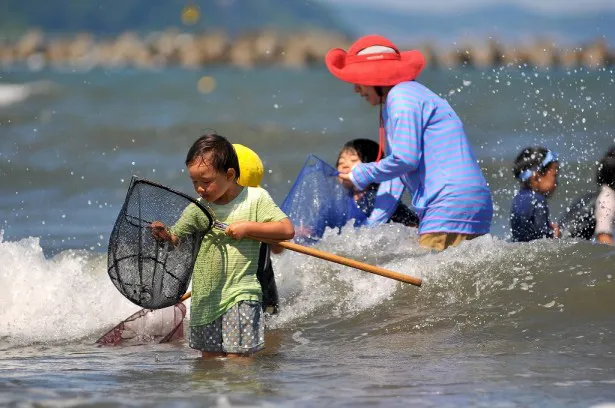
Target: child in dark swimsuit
536 169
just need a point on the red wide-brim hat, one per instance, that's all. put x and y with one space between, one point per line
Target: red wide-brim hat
374 69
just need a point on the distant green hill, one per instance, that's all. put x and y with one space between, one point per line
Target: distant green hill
108 17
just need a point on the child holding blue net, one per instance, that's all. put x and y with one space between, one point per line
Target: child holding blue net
366 151
319 199
536 168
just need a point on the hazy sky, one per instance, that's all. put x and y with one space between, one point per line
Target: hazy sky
550 6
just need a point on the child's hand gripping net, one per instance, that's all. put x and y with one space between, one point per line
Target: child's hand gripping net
148 270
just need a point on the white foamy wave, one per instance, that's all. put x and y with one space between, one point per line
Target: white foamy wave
61 299
478 273
11 94
308 285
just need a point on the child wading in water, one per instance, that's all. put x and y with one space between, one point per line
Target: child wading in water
366 151
226 310
605 203
536 169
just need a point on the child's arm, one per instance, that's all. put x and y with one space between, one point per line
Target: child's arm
160 232
604 218
276 249
542 225
276 230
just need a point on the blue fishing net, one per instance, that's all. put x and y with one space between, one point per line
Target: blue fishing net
317 201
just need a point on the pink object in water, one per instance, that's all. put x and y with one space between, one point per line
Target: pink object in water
148 326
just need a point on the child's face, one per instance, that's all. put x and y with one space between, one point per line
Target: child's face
208 182
368 93
348 158
546 183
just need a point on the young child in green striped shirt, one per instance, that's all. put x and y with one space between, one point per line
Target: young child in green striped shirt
226 313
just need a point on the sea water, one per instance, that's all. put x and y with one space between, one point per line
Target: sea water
494 324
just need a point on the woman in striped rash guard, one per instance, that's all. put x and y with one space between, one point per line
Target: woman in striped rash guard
423 146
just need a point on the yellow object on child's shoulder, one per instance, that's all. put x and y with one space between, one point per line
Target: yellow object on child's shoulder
250 166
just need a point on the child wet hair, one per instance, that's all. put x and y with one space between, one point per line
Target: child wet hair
605 173
366 149
218 150
530 160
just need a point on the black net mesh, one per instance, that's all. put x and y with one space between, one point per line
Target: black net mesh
150 272
580 220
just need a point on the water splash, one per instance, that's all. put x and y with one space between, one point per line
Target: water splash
61 299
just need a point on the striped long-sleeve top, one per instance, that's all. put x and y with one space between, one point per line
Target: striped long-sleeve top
427 151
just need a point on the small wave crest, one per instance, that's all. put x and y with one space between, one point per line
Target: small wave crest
11 94
484 283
